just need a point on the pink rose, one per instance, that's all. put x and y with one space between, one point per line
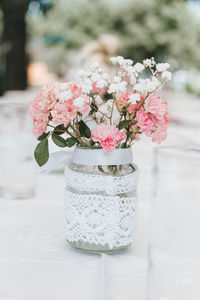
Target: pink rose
107 136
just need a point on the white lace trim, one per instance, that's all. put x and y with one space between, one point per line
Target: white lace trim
96 183
100 220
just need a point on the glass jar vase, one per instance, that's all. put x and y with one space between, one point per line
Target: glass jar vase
101 200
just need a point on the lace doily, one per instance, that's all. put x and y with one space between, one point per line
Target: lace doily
100 220
97 183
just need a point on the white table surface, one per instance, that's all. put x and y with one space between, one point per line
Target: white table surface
37 263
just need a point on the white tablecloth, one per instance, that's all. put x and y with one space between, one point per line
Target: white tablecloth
37 263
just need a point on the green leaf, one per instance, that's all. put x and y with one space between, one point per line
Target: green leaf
41 152
71 142
59 129
43 136
123 124
94 108
84 130
58 140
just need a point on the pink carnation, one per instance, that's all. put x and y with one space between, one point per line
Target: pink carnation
124 101
59 102
107 136
63 113
82 104
155 106
74 88
160 133
39 111
144 122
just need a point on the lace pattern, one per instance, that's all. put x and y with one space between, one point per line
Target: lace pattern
100 220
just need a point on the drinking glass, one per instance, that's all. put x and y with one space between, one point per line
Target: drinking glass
17 167
174 247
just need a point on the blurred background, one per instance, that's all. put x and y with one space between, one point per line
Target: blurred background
44 40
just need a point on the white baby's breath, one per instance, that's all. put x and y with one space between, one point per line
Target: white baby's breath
117 87
138 67
166 75
162 67
116 79
81 73
94 66
134 98
101 83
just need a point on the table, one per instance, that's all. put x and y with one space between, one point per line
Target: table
36 262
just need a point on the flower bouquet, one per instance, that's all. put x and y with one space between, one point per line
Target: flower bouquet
103 115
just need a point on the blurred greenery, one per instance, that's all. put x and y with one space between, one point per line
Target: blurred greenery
1 23
165 29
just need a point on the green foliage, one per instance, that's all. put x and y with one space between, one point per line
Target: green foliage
71 142
41 152
43 136
84 130
161 28
123 124
58 140
59 129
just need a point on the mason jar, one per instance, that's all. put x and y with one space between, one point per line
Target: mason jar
101 200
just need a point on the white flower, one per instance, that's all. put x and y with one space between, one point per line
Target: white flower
133 98
81 73
88 73
145 86
116 79
117 87
150 86
105 76
63 86
131 74
166 75
95 77
156 82
117 60
64 96
79 102
101 83
128 62
113 60
139 87
138 67
162 67
147 63
95 65
86 85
